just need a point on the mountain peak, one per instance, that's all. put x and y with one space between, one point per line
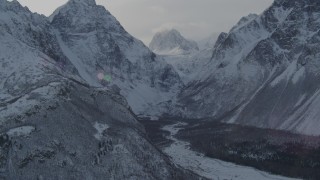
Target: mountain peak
88 2
244 20
171 42
83 16
170 31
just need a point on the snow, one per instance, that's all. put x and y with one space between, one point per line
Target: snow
245 40
120 149
244 21
135 51
305 119
301 99
144 99
20 131
100 129
13 51
26 102
77 62
238 112
189 66
171 42
182 155
132 66
286 75
281 14
173 51
298 75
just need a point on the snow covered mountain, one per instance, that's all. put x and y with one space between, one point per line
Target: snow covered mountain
184 55
264 72
171 42
104 54
54 123
189 66
71 83
244 20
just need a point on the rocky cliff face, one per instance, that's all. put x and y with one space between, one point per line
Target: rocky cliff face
54 123
265 72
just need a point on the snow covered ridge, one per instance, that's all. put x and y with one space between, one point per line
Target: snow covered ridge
244 20
171 42
264 72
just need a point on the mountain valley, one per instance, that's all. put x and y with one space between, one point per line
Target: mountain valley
81 98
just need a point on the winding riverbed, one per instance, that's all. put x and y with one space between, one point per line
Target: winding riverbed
182 155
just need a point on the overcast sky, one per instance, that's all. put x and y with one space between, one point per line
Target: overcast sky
195 19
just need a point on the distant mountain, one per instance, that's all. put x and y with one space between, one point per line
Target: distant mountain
264 72
208 42
171 42
61 115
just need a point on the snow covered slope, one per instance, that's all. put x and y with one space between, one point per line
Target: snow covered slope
171 42
106 55
53 124
264 72
189 66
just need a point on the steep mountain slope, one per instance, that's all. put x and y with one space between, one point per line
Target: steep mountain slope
265 72
53 125
171 42
189 66
244 21
106 55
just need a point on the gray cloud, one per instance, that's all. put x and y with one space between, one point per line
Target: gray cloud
196 19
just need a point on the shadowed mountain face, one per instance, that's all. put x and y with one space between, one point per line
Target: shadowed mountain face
54 123
264 72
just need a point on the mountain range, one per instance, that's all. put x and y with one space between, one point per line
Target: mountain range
73 86
61 112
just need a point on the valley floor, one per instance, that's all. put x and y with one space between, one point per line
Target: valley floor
182 155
